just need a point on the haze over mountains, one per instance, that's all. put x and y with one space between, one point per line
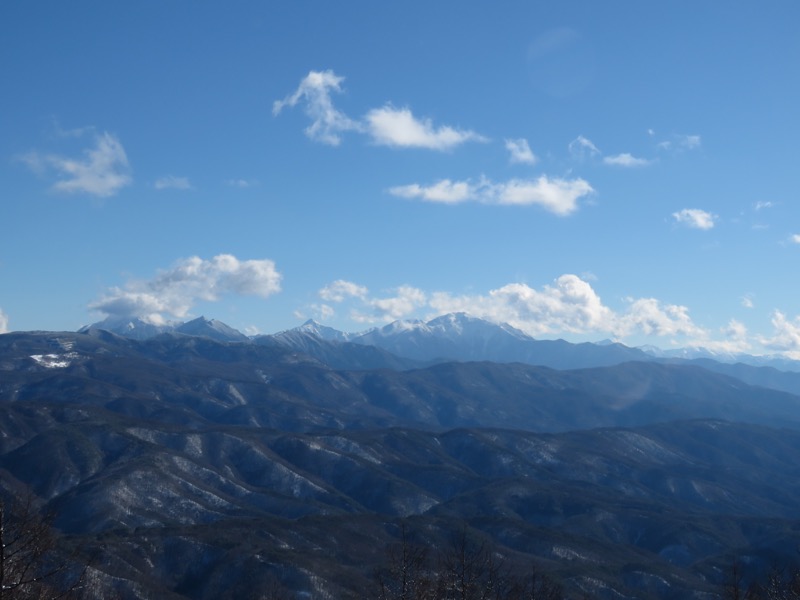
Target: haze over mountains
455 336
292 461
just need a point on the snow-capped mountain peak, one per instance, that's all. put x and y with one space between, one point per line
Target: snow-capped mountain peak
131 327
323 332
402 326
211 328
462 325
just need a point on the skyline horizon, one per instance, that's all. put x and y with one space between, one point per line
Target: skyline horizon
114 324
574 171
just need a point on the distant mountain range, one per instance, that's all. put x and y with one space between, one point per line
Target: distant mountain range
138 329
290 465
451 337
271 385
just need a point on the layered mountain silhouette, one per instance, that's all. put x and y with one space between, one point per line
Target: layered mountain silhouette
290 465
451 337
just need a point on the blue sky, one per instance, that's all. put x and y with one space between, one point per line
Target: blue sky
582 170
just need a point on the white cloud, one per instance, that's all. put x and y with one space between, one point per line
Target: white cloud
681 142
580 147
173 292
761 205
444 191
406 300
340 289
327 121
251 330
689 141
732 338
650 316
102 171
387 126
795 239
735 330
747 301
323 311
170 182
695 218
398 128
319 312
521 152
570 305
242 183
735 338
559 196
625 160
786 336
3 322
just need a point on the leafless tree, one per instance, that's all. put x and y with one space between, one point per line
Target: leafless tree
468 568
31 567
538 586
780 584
407 576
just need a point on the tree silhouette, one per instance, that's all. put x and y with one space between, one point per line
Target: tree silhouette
31 567
468 568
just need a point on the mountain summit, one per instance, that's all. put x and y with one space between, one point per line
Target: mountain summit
129 327
216 330
460 337
139 329
323 332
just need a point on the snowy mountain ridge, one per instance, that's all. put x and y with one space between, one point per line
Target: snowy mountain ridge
453 336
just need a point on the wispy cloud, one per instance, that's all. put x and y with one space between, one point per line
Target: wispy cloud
386 126
694 218
3 322
763 205
242 183
558 196
323 311
319 312
785 337
681 142
174 291
340 289
795 239
582 147
625 160
170 182
327 123
733 338
102 170
689 142
521 152
405 300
